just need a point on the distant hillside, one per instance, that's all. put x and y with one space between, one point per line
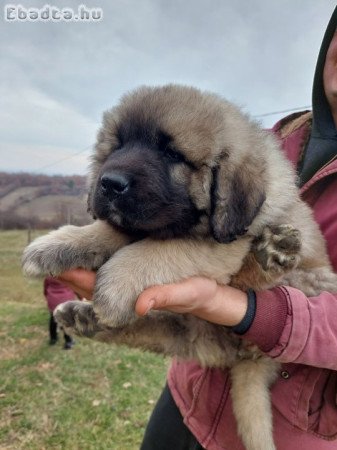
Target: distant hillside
42 201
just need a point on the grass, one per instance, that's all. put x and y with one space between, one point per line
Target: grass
92 397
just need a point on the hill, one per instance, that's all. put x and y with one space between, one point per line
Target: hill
42 201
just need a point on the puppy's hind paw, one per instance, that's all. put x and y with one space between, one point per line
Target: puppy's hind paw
278 248
77 317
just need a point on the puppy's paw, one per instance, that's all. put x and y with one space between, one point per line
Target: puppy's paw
45 256
78 318
278 248
62 250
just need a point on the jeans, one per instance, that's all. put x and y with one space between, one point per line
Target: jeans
166 429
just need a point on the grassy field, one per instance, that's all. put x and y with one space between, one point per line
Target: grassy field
91 397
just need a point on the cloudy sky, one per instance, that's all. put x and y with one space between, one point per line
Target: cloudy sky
56 78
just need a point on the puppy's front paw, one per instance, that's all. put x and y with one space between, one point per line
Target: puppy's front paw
61 250
278 248
78 318
46 256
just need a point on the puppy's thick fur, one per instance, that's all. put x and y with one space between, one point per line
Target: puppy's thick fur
183 184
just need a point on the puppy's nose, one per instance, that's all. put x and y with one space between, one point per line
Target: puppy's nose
114 183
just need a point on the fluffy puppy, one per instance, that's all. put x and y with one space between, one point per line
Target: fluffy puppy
183 184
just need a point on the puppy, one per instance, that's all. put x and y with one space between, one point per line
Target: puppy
183 184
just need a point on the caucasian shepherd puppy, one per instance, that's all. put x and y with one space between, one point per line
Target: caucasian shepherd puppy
183 184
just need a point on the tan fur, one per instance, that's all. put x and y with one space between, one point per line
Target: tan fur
246 190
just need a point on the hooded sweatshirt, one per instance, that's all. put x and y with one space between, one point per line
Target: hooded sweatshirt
323 140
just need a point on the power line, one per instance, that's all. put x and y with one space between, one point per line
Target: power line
63 159
298 108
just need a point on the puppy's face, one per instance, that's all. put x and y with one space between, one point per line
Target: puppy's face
155 171
143 185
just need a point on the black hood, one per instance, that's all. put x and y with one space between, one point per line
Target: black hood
322 145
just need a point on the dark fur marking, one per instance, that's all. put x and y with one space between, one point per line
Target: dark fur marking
244 202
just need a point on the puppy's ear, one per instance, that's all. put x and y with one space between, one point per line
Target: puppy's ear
237 196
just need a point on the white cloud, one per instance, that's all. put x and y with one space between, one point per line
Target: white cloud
31 115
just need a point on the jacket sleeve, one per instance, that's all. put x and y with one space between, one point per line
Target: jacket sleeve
291 327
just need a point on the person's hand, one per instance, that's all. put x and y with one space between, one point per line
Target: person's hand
199 296
80 281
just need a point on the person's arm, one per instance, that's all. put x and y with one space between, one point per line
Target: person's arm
287 326
308 334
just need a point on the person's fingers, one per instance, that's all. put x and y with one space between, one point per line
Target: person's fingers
180 297
153 298
80 280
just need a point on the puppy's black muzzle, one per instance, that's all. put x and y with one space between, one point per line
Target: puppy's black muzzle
115 184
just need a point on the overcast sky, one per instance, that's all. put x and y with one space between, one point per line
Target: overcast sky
57 78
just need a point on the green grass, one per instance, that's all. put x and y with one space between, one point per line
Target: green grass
92 397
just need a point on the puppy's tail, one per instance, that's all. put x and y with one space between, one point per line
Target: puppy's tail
251 402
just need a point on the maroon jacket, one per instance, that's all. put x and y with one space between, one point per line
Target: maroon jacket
56 293
304 395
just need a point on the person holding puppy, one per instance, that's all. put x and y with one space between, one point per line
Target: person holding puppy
194 410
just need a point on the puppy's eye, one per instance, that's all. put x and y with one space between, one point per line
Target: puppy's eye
173 155
166 147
